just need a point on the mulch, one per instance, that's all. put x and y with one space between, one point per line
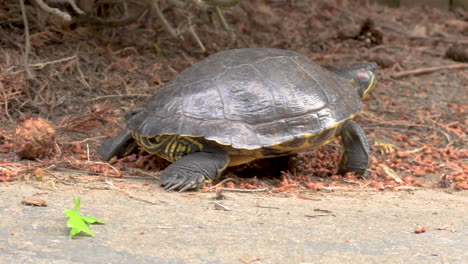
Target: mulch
84 76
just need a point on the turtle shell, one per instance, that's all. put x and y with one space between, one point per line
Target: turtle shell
249 99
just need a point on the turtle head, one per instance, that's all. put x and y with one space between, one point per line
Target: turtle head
363 77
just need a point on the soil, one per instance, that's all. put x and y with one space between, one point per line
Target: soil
83 76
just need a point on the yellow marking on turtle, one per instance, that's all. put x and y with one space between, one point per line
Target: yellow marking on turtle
368 89
193 141
170 148
370 86
236 160
181 148
145 142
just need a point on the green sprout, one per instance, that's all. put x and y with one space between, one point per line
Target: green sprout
79 223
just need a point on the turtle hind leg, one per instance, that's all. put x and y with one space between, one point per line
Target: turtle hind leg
356 156
192 170
119 146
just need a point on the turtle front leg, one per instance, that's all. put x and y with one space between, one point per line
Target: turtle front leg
356 157
119 146
193 169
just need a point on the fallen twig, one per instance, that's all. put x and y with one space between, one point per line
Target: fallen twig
218 206
317 215
195 36
404 154
430 69
243 190
391 173
405 188
117 171
27 47
224 22
87 140
153 175
113 187
95 20
34 202
117 96
43 64
55 11
136 197
268 207
75 7
326 213
332 188
372 117
221 184
308 198
446 227
164 21
323 211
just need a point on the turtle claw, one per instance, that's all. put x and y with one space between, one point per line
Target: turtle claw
189 186
171 186
182 186
181 181
175 185
191 171
361 173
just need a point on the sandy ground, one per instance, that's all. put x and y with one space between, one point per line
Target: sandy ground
365 226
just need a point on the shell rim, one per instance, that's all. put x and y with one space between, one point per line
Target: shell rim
352 116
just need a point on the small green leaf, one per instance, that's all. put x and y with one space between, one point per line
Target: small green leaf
77 202
70 213
73 232
79 223
92 221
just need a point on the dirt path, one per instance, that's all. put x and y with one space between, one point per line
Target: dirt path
356 227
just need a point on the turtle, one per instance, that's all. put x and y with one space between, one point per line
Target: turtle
240 105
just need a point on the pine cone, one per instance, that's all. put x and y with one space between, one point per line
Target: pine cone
34 138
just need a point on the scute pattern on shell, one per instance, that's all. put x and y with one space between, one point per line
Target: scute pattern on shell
249 98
